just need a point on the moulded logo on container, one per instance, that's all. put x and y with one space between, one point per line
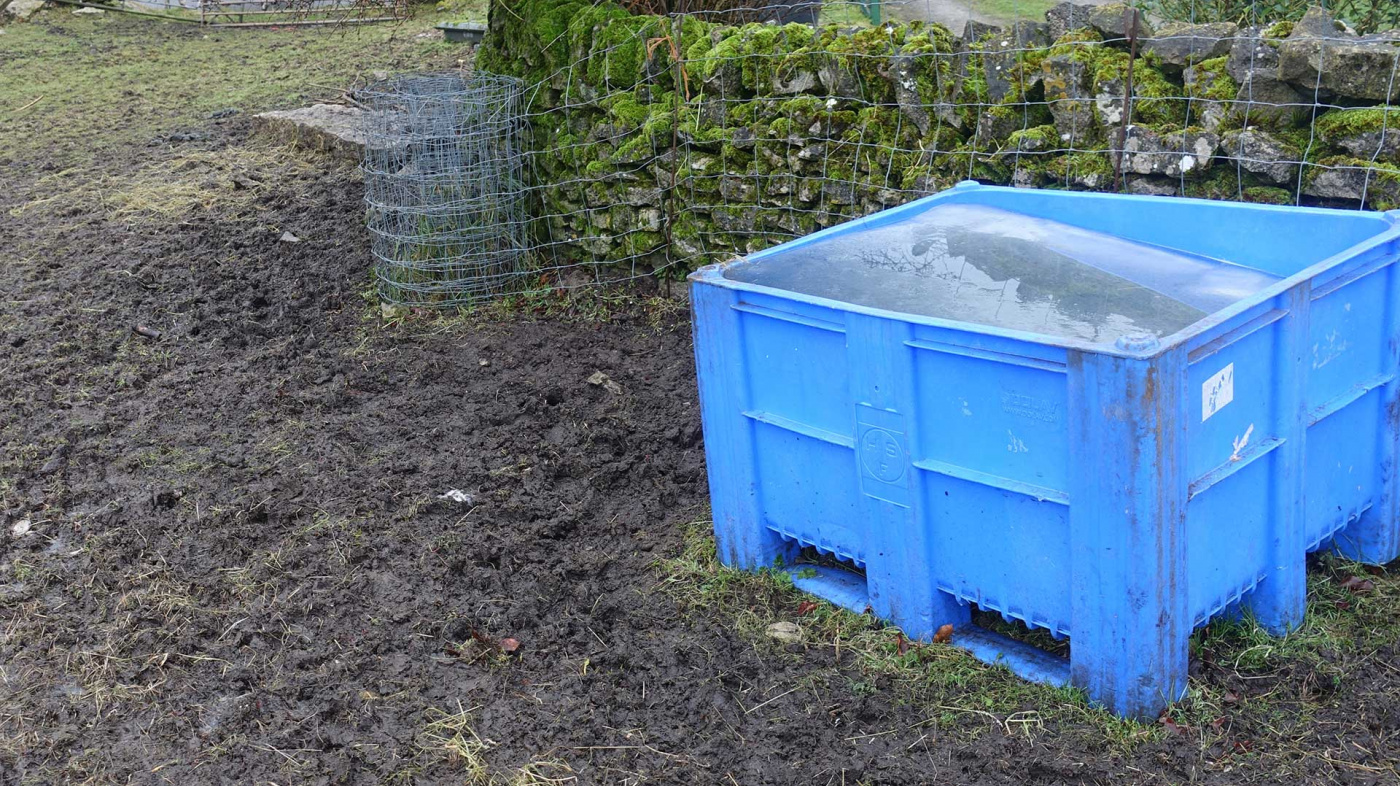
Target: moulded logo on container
882 454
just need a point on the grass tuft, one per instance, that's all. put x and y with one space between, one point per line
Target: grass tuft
451 734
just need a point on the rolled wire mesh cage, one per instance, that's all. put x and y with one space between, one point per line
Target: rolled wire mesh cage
444 184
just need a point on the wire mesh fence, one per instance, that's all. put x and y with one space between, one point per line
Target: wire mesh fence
444 184
696 132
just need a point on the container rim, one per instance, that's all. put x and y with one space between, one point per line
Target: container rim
713 274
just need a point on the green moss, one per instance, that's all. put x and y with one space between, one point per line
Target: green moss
1077 44
735 157
1221 183
862 55
961 163
624 109
573 153
618 52
1157 102
707 136
935 73
1035 139
1083 169
744 113
701 165
694 33
637 149
640 242
886 126
1340 123
663 118
1278 30
690 225
1213 81
794 223
767 49
597 169
1268 195
706 60
882 165
802 106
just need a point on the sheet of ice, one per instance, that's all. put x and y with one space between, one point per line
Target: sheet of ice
994 267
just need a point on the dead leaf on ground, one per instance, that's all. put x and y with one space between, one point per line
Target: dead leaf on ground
806 607
1175 727
509 645
1358 585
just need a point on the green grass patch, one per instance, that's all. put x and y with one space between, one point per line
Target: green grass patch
844 15
1012 10
78 87
1352 610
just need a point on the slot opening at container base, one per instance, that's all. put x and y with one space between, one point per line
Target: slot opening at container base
1016 630
1030 653
840 581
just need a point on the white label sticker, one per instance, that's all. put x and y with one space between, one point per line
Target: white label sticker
1217 391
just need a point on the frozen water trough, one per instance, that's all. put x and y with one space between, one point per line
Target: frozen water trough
1109 417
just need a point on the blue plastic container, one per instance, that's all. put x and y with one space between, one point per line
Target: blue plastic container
1121 495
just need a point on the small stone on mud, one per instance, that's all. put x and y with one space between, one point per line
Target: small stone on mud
21 527
599 379
55 460
786 632
483 363
288 237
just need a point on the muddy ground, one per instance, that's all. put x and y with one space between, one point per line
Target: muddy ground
225 559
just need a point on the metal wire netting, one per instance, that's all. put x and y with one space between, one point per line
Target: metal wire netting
660 143
444 183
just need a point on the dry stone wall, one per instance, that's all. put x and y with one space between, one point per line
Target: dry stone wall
669 142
